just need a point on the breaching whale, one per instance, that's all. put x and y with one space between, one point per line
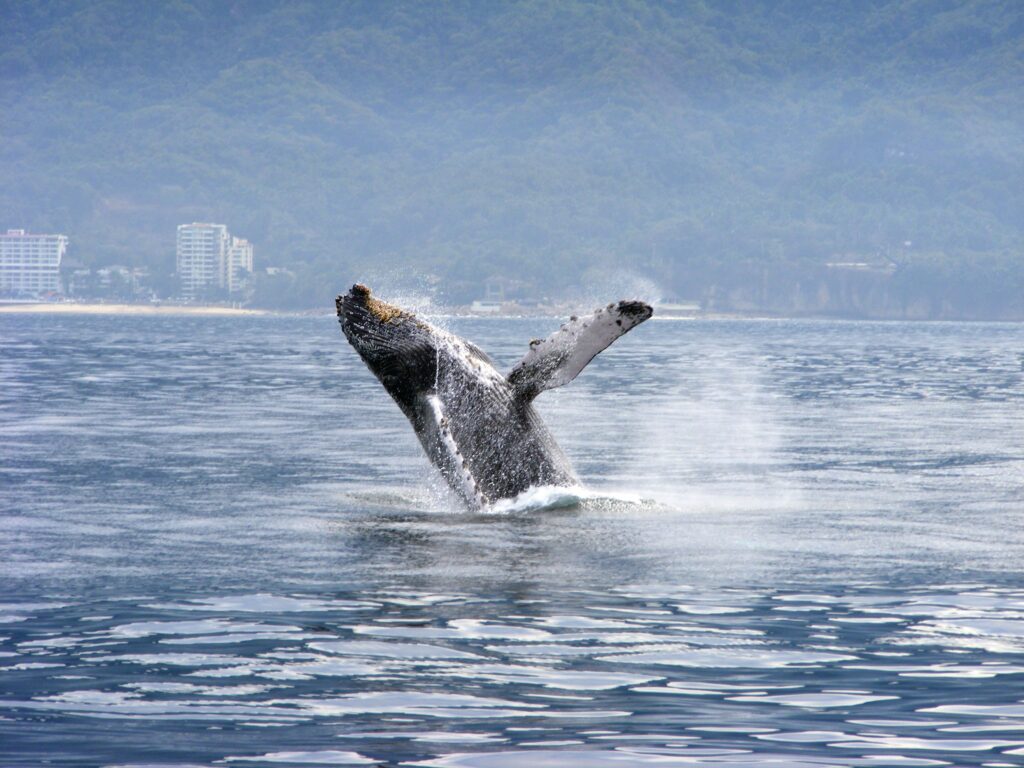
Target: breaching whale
478 428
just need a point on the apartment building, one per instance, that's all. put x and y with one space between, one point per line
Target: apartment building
208 257
30 264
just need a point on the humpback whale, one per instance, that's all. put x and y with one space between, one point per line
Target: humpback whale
478 427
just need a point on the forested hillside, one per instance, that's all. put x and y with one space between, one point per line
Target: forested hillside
726 151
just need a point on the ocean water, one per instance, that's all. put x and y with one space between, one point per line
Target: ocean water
795 544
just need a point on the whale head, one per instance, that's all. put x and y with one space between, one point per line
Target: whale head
399 348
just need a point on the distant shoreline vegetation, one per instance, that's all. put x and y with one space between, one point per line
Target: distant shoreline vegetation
902 287
508 310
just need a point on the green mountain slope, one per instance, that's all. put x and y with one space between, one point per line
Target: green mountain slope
719 149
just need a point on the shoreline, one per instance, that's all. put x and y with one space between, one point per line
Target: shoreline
44 308
157 310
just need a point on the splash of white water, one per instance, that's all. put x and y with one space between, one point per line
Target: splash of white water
537 499
544 498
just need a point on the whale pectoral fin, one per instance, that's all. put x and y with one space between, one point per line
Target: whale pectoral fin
435 434
560 357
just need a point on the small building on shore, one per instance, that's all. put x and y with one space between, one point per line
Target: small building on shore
238 266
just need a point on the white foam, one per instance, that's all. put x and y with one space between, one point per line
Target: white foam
538 499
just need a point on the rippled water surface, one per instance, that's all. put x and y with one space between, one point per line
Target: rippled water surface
797 544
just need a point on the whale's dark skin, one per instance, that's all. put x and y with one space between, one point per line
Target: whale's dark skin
478 427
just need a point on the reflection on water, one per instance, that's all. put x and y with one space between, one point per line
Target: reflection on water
731 676
798 544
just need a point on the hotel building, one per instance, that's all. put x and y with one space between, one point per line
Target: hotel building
30 264
201 254
209 257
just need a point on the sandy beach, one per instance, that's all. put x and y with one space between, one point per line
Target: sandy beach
121 309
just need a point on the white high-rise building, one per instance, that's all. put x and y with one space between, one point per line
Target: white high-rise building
238 265
209 257
202 254
30 264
